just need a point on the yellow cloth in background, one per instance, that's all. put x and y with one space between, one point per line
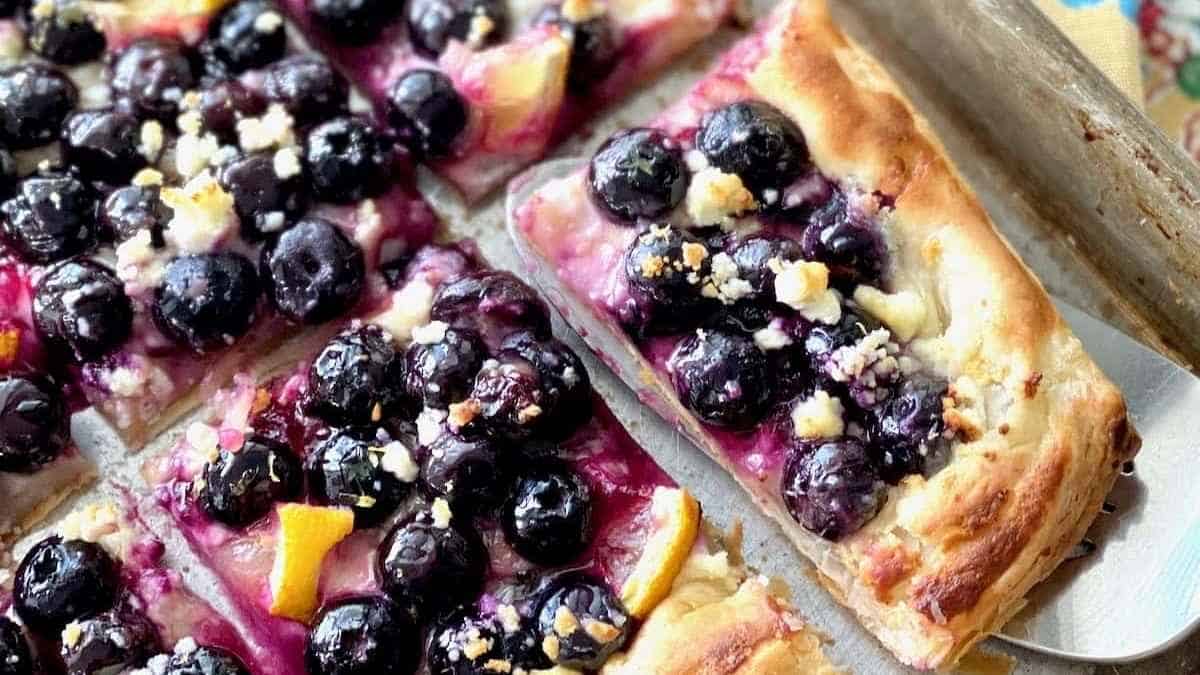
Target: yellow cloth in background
1106 36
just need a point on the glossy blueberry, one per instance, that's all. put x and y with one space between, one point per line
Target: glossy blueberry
241 487
51 217
746 316
348 160
509 398
80 308
355 22
832 489
664 273
118 640
433 23
15 655
548 517
103 144
308 87
8 174
313 272
357 379
565 381
34 423
440 373
845 241
60 581
753 255
594 47
638 174
492 304
723 377
756 142
34 101
247 34
587 600
468 472
362 636
822 340
225 102
904 425
453 645
430 568
265 202
9 7
207 301
131 209
151 76
67 35
344 469
206 661
428 113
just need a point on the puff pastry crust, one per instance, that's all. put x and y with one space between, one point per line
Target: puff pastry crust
1042 433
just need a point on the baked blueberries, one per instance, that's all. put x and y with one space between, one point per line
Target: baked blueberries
589 602
593 47
103 144
34 423
638 174
357 379
344 469
845 241
265 201
468 472
453 647
151 75
118 640
66 35
723 377
15 656
222 104
362 636
241 487
428 113
80 308
664 267
548 517
832 487
51 217
756 142
131 209
313 272
34 101
440 373
565 381
753 255
822 340
308 87
207 301
492 304
355 22
433 23
206 661
247 34
429 566
903 426
509 398
60 581
348 160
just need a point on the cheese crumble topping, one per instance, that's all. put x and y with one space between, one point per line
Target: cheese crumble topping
818 416
715 197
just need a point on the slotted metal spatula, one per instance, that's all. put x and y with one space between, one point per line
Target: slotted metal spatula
1132 588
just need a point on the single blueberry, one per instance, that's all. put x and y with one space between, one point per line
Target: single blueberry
34 101
638 174
589 602
207 301
430 566
357 379
753 256
348 160
151 76
548 517
247 34
103 144
454 646
131 209
345 469
34 423
308 87
564 379
52 217
508 398
428 113
433 23
118 640
313 272
664 267
222 104
594 47
845 241
81 309
468 472
15 656
440 373
492 304
241 487
355 22
362 636
206 661
832 489
756 142
724 378
62 31
266 202
905 426
60 581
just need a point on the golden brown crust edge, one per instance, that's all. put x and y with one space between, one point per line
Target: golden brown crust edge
950 559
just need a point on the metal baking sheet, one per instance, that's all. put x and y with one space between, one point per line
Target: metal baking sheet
1075 178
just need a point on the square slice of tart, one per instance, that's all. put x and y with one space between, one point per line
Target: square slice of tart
482 88
787 265
96 595
471 505
40 465
188 188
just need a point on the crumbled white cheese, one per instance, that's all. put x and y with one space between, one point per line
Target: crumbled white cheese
44 9
431 333
715 197
804 286
409 309
101 524
138 262
903 312
874 352
724 283
202 437
578 11
72 634
287 163
441 513
273 129
398 461
186 646
695 160
147 178
194 154
152 140
429 425
771 338
124 381
268 22
190 122
818 416
204 214
482 26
